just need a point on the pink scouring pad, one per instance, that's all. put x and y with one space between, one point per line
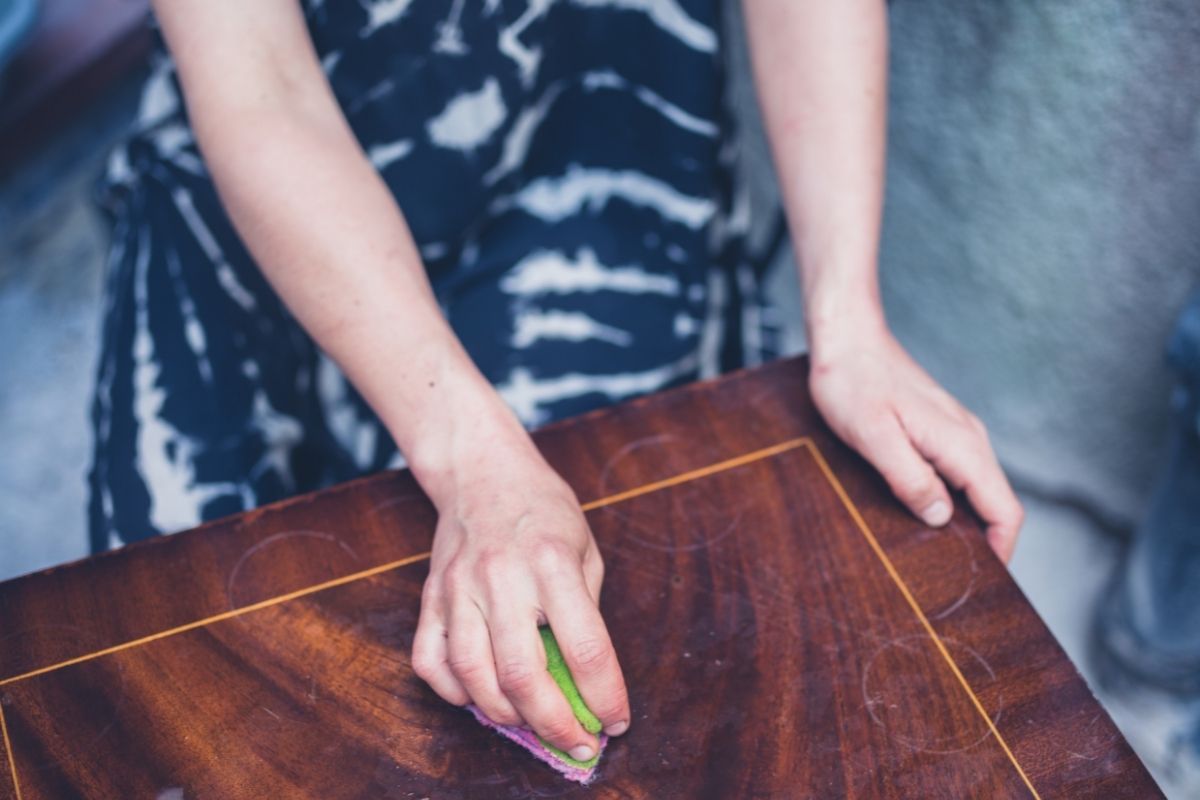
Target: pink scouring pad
573 769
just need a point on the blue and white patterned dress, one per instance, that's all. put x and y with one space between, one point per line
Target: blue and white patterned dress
565 168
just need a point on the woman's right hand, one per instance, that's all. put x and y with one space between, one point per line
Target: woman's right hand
513 551
512 547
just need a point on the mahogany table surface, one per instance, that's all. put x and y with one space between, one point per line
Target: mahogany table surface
786 630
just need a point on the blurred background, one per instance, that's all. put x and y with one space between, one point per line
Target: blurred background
1042 235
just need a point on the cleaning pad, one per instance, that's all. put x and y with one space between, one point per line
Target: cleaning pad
581 771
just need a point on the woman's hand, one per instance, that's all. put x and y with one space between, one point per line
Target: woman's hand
512 551
821 73
512 547
881 403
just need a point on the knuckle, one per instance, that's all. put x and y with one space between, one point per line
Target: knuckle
454 579
424 665
431 589
516 678
468 669
493 567
552 557
914 485
613 704
614 707
591 655
559 729
874 424
593 569
925 438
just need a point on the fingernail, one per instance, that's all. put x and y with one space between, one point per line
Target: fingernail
582 753
937 513
617 728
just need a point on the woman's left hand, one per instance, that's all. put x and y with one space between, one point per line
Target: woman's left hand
821 73
883 404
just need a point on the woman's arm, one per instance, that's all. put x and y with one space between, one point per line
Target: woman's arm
821 72
512 546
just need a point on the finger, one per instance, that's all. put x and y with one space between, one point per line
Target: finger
469 654
429 655
521 668
965 457
890 449
587 649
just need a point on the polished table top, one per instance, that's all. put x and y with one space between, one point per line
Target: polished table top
786 630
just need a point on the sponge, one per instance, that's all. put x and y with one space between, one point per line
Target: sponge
581 771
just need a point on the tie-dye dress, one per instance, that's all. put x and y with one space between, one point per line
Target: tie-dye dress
565 168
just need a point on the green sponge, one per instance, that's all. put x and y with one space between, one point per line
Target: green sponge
581 771
557 667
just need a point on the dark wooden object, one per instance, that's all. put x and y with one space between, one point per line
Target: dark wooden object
77 49
787 631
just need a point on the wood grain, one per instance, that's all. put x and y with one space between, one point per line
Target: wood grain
785 628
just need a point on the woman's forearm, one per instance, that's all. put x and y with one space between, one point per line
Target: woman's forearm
326 231
821 72
327 234
512 546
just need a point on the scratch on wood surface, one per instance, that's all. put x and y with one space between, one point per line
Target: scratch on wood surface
271 540
709 524
970 588
872 699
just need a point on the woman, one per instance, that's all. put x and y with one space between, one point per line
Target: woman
477 208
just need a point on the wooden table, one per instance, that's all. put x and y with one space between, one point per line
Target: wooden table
786 630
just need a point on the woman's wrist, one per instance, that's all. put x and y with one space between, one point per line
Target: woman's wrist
842 315
465 429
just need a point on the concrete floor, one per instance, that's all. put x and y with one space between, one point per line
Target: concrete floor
51 262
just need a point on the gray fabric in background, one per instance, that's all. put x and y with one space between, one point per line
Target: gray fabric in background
1042 223
1043 226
